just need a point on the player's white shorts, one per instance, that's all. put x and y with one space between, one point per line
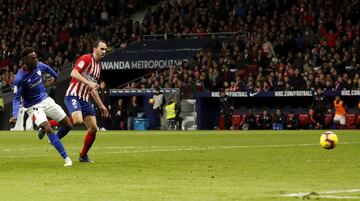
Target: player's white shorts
46 108
339 118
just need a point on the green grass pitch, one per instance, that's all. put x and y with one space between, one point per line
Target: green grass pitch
193 165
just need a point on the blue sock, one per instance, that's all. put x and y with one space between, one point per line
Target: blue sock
62 132
54 139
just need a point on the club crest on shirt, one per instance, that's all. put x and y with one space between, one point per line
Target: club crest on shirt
39 72
81 64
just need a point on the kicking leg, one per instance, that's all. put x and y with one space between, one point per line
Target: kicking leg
65 127
54 139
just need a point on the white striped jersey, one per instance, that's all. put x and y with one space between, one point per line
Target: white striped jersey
90 70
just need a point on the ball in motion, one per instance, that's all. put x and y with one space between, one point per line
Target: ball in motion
151 101
328 140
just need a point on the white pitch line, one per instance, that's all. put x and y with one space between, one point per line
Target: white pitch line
186 148
338 197
325 194
151 149
341 191
70 148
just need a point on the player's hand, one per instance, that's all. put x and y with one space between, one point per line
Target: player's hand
104 111
50 81
93 85
12 120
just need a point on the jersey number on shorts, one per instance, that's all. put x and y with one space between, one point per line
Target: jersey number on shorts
74 103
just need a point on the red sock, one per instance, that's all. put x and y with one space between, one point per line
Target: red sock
89 140
53 123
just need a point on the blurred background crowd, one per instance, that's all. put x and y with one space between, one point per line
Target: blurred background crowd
255 46
277 45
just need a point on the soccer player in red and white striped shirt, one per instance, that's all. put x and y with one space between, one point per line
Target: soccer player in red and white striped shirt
84 78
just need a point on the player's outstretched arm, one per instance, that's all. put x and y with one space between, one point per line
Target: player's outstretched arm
48 69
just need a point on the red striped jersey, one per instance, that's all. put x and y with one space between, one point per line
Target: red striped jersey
90 70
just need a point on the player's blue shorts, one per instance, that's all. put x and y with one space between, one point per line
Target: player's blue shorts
74 104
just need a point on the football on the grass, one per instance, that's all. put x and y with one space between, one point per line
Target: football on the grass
328 140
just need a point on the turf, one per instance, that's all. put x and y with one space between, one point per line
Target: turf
196 165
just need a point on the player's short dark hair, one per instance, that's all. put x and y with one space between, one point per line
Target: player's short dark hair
96 43
26 51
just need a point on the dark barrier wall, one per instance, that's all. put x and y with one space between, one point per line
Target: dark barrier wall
5 116
144 57
207 103
153 54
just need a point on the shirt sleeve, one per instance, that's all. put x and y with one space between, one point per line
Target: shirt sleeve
48 69
82 63
17 96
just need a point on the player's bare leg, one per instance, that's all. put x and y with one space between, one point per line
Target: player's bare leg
90 122
77 118
65 126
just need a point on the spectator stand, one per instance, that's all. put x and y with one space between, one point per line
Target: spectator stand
298 101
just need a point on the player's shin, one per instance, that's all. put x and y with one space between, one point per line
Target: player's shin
65 126
55 141
62 132
89 140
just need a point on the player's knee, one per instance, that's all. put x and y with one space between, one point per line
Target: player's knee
48 129
93 130
77 121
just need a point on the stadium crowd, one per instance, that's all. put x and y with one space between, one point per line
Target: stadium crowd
61 31
281 45
274 45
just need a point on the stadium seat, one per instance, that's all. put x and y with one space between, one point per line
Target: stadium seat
257 118
242 72
303 120
358 122
328 120
236 121
222 123
350 121
252 68
242 119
